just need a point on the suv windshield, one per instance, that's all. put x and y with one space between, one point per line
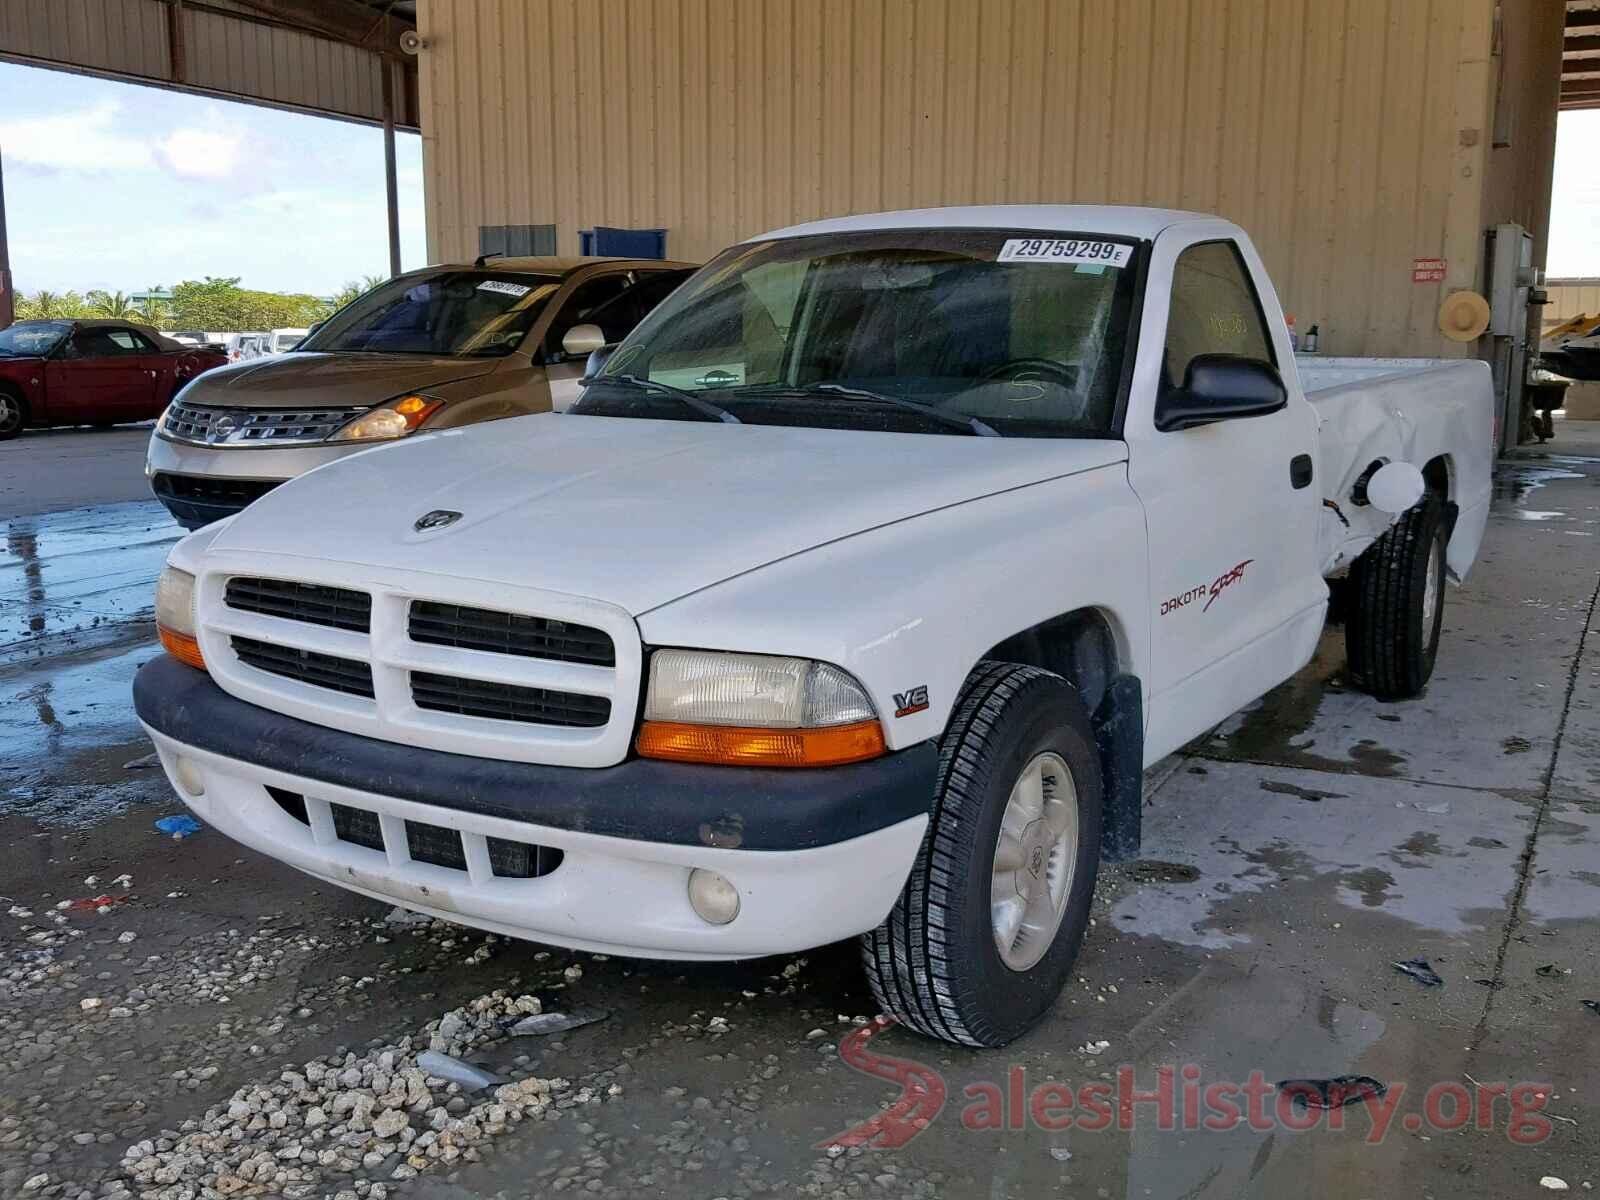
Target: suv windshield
32 338
928 331
448 314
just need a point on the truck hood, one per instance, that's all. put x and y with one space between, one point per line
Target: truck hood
335 380
637 513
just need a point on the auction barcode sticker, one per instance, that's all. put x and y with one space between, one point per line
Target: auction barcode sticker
1065 250
504 288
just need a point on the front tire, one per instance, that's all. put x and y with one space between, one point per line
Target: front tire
1397 604
13 415
983 937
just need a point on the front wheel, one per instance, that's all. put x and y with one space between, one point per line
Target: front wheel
1397 604
983 937
13 415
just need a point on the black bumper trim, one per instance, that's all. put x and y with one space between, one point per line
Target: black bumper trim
642 799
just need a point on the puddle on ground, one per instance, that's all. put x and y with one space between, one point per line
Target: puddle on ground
1514 482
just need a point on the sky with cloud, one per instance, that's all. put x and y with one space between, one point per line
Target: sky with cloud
111 185
1575 201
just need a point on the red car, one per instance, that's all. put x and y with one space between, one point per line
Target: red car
91 373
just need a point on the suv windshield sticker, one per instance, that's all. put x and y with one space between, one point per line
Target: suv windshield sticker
508 289
1065 250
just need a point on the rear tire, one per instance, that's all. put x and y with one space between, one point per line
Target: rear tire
13 415
1397 604
982 939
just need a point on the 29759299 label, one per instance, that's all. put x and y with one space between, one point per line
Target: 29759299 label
1065 250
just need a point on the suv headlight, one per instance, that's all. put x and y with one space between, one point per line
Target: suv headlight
755 710
175 621
396 418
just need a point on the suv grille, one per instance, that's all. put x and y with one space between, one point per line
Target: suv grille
509 633
313 603
508 702
252 426
308 666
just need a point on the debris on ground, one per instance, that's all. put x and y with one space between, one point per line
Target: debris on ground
95 904
1336 1092
1554 1183
1494 985
1095 1047
1592 1005
180 826
407 919
470 1077
1060 1154
143 764
1552 970
559 1022
1420 970
375 1114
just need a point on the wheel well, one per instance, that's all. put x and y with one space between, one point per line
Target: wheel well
1081 646
1436 474
15 392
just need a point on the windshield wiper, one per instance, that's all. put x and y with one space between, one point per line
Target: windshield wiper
964 423
703 407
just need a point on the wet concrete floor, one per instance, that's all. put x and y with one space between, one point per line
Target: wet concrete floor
1290 859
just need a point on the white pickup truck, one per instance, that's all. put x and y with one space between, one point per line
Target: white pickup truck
852 598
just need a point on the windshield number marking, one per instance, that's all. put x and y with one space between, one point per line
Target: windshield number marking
506 289
1065 250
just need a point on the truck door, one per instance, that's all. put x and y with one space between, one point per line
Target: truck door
1230 506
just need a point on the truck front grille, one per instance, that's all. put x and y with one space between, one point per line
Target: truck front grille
509 633
487 669
508 702
313 603
307 666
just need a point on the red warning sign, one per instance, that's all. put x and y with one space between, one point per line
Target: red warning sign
1427 270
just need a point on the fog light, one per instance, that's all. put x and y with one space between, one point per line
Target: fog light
713 898
189 777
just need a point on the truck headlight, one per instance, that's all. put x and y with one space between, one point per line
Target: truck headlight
396 418
175 621
755 710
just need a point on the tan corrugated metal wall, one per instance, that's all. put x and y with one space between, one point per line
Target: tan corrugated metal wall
1349 136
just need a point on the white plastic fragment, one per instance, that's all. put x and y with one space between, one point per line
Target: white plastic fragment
453 1070
1553 1183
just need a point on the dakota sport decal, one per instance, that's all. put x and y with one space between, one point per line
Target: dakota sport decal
1210 592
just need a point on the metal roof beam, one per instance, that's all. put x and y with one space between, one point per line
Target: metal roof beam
342 20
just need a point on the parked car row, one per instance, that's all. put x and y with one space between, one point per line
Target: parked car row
850 599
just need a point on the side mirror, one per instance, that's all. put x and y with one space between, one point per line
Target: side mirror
1220 387
582 339
312 332
597 361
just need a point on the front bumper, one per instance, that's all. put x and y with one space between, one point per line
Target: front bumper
202 484
816 855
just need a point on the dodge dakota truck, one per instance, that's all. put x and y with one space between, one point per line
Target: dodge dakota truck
850 600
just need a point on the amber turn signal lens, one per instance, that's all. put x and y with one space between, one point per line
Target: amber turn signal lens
182 647
734 745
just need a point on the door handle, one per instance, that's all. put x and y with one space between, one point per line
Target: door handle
1300 470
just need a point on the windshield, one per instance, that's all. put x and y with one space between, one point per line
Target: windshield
928 331
450 314
32 339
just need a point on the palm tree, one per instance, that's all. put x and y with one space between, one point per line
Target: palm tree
46 305
112 304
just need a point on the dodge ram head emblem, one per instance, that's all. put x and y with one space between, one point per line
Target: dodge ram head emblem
437 519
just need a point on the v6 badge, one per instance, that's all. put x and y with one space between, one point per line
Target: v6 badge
914 701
